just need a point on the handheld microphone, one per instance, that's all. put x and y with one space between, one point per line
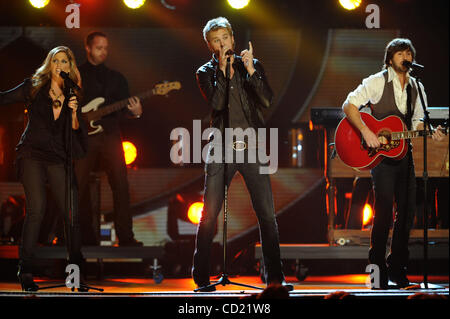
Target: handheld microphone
64 75
412 65
70 82
229 52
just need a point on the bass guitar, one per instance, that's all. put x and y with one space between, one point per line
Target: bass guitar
92 111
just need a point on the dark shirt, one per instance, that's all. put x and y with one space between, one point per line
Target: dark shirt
100 81
236 113
44 137
255 93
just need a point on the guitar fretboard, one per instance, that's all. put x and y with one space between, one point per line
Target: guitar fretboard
121 104
407 134
413 134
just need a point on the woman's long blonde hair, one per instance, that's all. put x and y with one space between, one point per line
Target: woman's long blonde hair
43 73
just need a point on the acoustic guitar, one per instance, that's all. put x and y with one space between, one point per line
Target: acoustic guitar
392 134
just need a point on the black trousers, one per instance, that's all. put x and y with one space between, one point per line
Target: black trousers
107 148
393 182
34 176
260 191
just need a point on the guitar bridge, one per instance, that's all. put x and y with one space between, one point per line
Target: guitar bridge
384 147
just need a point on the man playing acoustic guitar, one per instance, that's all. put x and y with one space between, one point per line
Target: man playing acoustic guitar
391 92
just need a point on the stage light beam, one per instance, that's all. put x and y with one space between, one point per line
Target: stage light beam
134 4
350 4
39 4
238 4
195 212
129 151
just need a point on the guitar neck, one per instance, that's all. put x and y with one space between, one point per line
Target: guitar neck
411 134
159 89
121 104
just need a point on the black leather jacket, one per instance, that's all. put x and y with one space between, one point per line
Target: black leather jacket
255 91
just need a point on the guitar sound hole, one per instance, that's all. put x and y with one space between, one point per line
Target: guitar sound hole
384 137
387 144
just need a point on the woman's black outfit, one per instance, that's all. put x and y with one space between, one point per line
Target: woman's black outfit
42 158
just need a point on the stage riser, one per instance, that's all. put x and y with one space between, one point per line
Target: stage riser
60 252
310 252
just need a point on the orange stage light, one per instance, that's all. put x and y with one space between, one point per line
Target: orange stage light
195 212
367 214
129 151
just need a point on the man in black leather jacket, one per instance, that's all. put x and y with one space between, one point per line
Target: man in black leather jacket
249 93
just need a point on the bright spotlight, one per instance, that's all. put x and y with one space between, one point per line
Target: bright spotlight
134 4
367 214
39 4
350 4
238 4
195 212
129 151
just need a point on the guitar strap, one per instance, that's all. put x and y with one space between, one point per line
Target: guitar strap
408 107
368 105
105 83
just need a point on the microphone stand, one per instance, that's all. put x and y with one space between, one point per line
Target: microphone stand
224 279
426 126
71 210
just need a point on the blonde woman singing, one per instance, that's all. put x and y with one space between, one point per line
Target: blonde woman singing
43 152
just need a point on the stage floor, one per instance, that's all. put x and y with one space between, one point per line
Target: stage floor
312 287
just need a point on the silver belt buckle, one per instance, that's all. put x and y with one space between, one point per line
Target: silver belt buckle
243 146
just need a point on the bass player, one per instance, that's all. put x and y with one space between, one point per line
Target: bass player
106 146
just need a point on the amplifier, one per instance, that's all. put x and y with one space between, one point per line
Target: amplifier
326 116
343 237
438 115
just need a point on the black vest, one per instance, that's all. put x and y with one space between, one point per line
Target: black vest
387 106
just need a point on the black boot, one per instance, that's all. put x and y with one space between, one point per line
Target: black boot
398 276
26 281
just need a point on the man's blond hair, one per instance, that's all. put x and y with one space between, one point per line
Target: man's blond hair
215 24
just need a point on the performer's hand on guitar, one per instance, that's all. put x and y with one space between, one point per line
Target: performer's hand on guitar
135 106
247 58
437 134
370 138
